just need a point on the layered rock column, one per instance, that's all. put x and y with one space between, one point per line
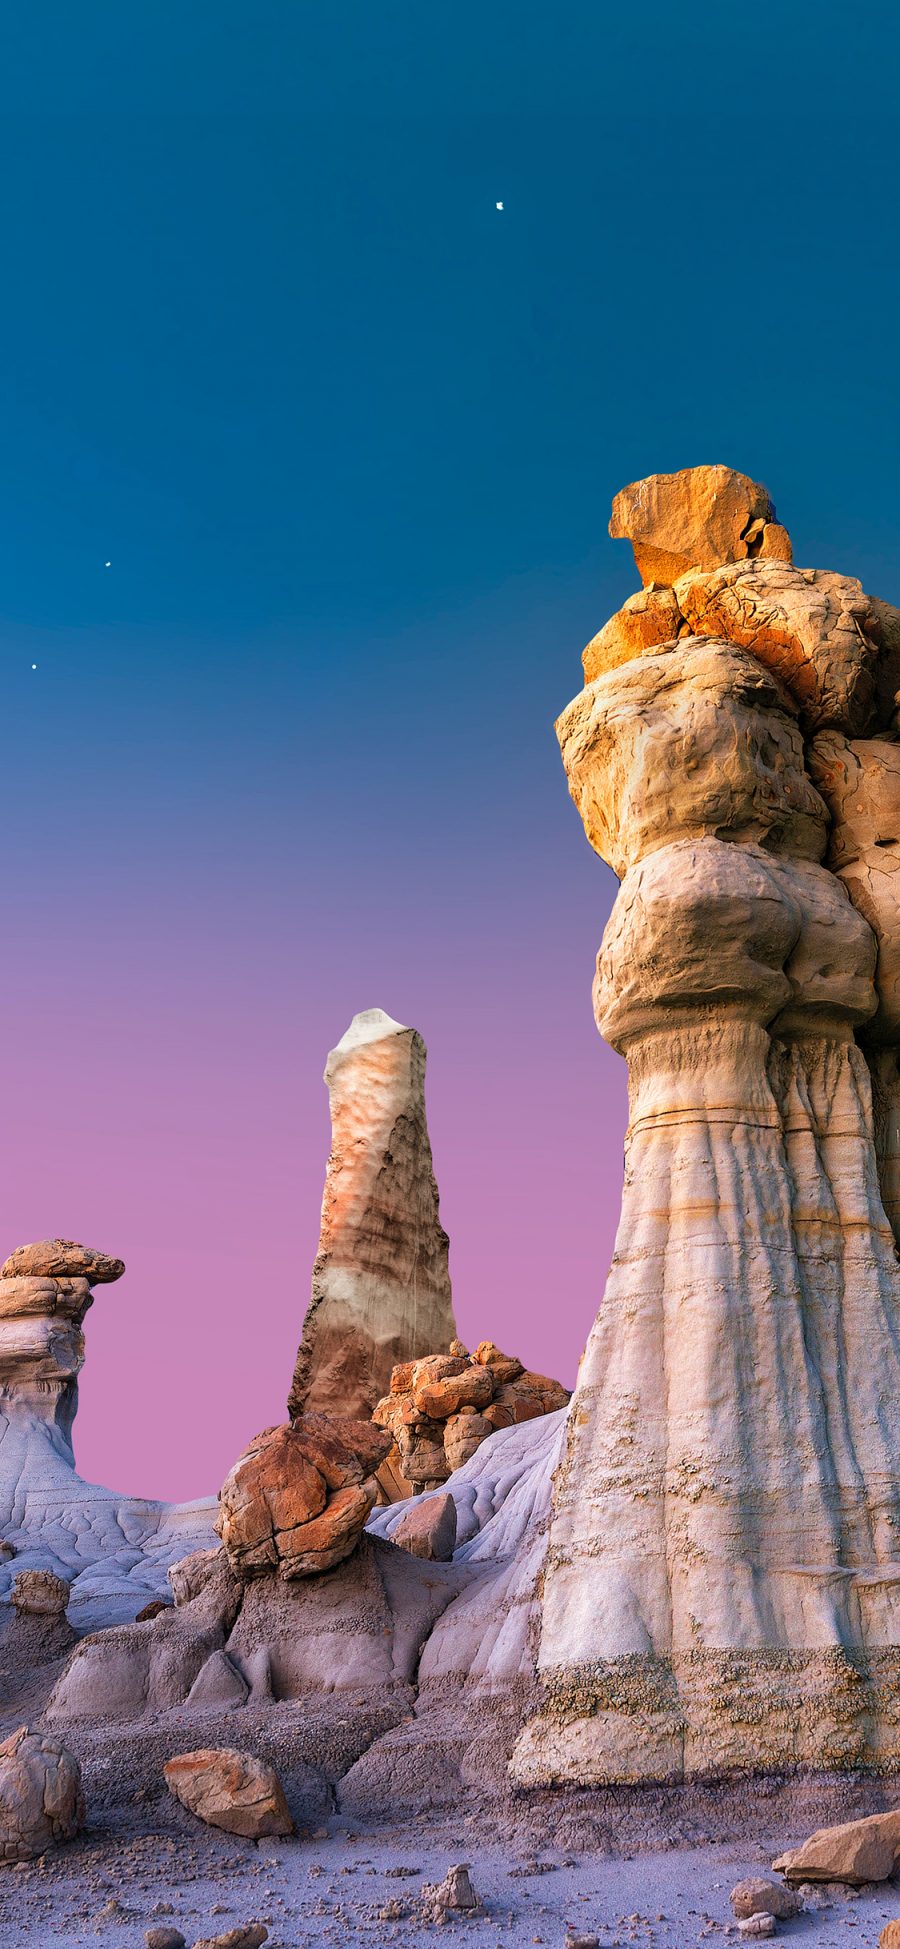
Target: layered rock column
381 1280
722 1586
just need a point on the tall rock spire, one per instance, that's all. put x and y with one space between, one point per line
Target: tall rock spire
381 1281
722 1586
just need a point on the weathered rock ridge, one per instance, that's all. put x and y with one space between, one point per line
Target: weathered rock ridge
722 1581
381 1280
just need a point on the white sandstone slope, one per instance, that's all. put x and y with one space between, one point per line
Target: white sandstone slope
381 1281
722 1585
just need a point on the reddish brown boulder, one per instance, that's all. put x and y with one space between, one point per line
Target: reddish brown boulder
442 1385
62 1258
503 1366
228 1789
297 1500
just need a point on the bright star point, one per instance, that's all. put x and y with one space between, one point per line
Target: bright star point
498 206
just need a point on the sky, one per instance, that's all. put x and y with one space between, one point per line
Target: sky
307 457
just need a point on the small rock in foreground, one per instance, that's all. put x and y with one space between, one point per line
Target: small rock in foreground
250 1937
757 1925
453 1895
757 1896
235 1791
890 1936
164 1939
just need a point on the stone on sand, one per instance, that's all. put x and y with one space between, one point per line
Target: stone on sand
429 1529
857 1851
756 1896
232 1790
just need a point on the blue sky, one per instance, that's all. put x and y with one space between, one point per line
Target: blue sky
348 436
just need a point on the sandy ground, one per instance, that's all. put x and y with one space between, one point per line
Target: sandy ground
356 1888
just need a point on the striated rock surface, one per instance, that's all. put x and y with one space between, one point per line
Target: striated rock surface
442 1407
721 1589
697 518
297 1500
41 1802
381 1280
232 1790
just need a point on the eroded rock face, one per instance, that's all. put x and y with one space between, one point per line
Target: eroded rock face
381 1281
697 518
296 1502
441 1408
722 1578
41 1802
232 1790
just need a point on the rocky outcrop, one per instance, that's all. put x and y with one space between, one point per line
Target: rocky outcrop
296 1502
442 1407
113 1550
41 1802
232 1790
381 1281
722 1581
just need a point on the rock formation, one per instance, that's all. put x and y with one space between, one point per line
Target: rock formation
113 1550
442 1407
381 1282
231 1790
299 1497
722 1583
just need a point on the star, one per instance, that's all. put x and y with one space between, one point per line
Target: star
498 206
34 666
107 564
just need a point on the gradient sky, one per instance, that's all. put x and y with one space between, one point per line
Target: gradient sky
348 437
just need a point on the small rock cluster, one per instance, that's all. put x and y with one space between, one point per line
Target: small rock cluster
297 1500
440 1409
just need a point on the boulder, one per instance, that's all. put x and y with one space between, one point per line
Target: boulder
381 1281
440 1387
41 1801
649 618
856 1852
164 1938
811 627
503 1366
756 1926
444 1900
890 1936
429 1529
232 1790
696 518
297 1500
40 1593
62 1258
757 1896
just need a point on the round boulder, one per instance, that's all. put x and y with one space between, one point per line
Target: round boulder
40 1593
41 1801
297 1500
